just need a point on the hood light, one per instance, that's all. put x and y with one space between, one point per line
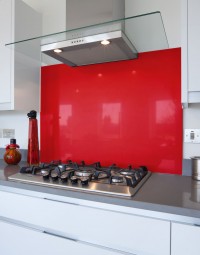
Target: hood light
105 42
57 50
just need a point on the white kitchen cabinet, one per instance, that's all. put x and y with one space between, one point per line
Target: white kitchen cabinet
185 239
19 64
190 51
17 239
5 53
120 231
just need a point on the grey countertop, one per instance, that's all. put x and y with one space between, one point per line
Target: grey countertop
166 193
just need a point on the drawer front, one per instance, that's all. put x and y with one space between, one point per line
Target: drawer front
185 239
116 230
25 241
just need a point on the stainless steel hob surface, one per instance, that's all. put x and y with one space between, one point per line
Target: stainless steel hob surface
112 180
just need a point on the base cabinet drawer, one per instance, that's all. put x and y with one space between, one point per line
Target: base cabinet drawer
19 240
185 239
124 232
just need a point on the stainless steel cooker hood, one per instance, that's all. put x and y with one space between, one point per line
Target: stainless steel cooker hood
89 50
125 36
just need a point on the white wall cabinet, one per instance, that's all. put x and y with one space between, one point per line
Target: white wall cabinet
5 53
185 239
190 51
123 233
19 64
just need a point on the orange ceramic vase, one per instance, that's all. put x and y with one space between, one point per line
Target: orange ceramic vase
12 155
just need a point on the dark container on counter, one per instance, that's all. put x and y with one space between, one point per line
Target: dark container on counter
33 144
12 155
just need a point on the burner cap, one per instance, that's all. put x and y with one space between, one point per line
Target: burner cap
127 172
84 173
116 179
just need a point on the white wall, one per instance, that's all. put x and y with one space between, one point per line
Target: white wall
18 121
54 14
170 11
191 120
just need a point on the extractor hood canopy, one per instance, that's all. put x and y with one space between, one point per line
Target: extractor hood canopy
82 46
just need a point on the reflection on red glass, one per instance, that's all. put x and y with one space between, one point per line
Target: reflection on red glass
65 113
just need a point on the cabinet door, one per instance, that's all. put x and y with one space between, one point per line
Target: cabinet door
120 231
5 52
193 45
190 55
185 239
19 64
17 239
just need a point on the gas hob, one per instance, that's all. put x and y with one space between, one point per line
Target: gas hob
91 178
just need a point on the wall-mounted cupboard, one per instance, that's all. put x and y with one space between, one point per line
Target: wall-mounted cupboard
19 63
190 51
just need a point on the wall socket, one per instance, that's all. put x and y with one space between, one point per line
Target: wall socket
8 133
192 136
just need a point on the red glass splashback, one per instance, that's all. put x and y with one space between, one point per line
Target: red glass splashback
126 112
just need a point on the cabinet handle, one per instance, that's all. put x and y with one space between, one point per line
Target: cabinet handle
18 224
119 252
53 234
90 244
54 200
